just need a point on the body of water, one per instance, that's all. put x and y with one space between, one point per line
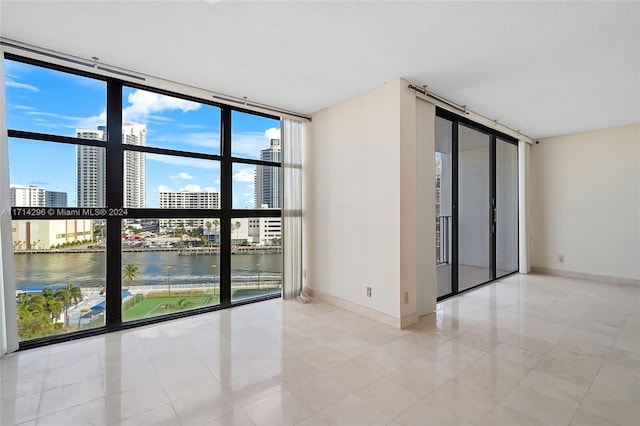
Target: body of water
156 267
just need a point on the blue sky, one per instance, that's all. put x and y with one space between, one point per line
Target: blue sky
48 101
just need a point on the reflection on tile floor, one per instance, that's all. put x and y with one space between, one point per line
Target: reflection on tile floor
526 350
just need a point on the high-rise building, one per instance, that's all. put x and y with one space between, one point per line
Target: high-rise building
265 231
90 168
56 199
135 168
36 196
27 196
188 200
268 180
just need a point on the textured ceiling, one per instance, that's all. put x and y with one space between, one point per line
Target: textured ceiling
546 68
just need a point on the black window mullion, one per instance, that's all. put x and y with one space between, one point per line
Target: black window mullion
226 201
492 207
454 206
114 199
255 162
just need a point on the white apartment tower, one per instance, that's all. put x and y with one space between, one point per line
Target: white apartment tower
35 196
268 180
188 200
27 196
135 168
90 168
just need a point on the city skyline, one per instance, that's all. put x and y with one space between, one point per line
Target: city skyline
171 123
35 196
268 180
91 170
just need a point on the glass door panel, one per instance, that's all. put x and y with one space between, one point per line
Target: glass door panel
474 232
444 192
506 208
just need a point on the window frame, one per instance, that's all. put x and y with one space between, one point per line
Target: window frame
115 198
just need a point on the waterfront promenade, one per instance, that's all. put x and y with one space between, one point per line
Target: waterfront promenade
187 251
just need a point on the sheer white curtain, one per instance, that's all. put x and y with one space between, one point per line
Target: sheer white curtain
292 133
8 318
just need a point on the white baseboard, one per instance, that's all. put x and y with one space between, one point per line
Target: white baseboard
381 317
585 276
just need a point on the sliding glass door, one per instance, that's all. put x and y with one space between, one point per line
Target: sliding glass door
476 204
474 230
506 212
444 205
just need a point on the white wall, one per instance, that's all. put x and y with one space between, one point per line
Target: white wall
361 205
355 183
586 203
426 285
8 316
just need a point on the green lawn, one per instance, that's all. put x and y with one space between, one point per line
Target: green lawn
153 307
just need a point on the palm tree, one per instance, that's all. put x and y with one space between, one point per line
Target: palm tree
235 227
129 272
216 227
208 225
68 295
23 301
34 315
55 309
98 231
32 325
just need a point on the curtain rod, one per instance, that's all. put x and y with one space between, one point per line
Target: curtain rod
126 73
245 102
425 92
69 58
471 114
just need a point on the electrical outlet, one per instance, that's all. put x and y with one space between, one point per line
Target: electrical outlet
368 291
561 258
406 297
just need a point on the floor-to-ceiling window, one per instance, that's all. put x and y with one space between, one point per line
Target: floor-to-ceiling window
131 204
476 204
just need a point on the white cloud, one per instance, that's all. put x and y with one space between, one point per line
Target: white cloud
71 121
11 83
51 114
272 133
204 139
182 175
143 103
158 119
244 175
28 108
248 144
163 188
211 189
191 188
91 122
184 161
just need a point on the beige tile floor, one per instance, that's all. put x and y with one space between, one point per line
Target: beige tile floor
526 350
